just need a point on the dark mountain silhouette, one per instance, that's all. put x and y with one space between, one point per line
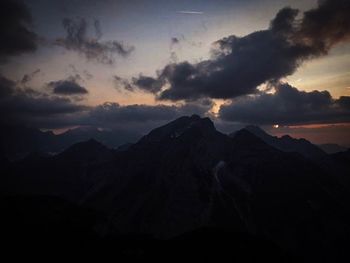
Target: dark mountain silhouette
288 144
18 142
90 151
340 163
45 216
186 176
343 157
113 138
69 174
331 148
64 229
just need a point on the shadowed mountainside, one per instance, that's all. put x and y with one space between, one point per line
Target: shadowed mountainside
288 144
331 148
185 176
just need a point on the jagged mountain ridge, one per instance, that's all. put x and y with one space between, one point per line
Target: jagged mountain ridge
187 175
288 144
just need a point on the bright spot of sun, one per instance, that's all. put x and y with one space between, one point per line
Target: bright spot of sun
216 107
276 126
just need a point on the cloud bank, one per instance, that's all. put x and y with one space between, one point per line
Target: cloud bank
16 36
240 64
287 106
58 109
24 106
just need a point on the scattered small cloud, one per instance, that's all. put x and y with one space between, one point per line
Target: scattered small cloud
88 75
122 83
28 77
92 47
67 87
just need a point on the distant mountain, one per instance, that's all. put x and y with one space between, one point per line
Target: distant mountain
288 144
90 151
331 148
113 138
186 175
18 142
342 159
69 175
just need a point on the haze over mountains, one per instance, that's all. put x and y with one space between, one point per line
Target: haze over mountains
16 142
186 176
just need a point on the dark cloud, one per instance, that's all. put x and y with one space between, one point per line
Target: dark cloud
25 106
344 101
325 26
287 106
29 107
122 83
67 87
143 83
148 84
7 87
240 64
141 118
114 113
92 48
80 75
15 32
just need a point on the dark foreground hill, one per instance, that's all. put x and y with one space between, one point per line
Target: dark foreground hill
186 181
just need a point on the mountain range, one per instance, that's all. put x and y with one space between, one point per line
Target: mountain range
16 142
186 176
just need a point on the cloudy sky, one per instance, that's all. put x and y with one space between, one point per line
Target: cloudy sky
136 64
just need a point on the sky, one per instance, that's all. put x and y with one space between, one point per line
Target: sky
135 64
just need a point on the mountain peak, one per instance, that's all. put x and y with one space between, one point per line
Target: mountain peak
88 145
287 143
287 137
245 137
90 150
256 130
195 117
179 126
